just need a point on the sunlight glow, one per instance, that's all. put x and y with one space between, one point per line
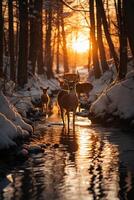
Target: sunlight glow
80 45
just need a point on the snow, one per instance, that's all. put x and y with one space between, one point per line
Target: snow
12 124
116 100
106 97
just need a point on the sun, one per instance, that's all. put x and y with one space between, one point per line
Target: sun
80 45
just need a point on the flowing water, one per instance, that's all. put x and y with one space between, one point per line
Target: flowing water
92 163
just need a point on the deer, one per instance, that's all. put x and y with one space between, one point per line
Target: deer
63 85
71 77
68 102
44 99
83 88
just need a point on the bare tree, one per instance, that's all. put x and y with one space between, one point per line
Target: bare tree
48 41
123 41
11 41
23 43
97 70
1 40
40 39
104 64
107 34
65 54
129 16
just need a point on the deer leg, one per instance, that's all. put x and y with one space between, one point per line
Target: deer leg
68 119
74 120
46 108
62 115
42 107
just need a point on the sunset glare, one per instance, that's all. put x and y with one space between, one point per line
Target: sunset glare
80 45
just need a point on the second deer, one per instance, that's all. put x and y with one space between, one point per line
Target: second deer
44 99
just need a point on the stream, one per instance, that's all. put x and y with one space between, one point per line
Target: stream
93 163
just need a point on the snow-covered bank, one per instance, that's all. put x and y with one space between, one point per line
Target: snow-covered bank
114 102
14 107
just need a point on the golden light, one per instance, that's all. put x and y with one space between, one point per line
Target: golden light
80 45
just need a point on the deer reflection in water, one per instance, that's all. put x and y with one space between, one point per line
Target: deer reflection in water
69 140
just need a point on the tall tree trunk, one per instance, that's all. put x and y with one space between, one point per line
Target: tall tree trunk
48 47
58 37
40 39
123 41
97 70
1 40
23 43
65 53
129 16
107 34
33 36
104 64
11 41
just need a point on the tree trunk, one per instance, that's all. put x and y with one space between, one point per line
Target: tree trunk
11 41
40 39
33 36
97 71
1 40
123 41
129 16
107 34
48 47
65 53
58 37
23 43
104 64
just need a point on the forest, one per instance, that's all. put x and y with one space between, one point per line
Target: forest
35 36
66 90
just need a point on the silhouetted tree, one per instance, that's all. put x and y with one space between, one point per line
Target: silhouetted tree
107 34
40 39
11 41
129 16
1 40
48 41
58 35
65 54
104 64
123 41
97 71
23 43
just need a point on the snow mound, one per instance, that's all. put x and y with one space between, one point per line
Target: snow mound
117 100
11 113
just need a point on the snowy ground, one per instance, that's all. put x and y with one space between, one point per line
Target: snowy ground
114 100
106 99
14 106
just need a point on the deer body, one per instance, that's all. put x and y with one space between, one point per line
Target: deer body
83 88
68 101
45 100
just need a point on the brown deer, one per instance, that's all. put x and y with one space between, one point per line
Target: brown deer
71 77
44 99
68 101
83 88
63 85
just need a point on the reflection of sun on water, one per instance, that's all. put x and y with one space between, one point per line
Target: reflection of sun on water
83 142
